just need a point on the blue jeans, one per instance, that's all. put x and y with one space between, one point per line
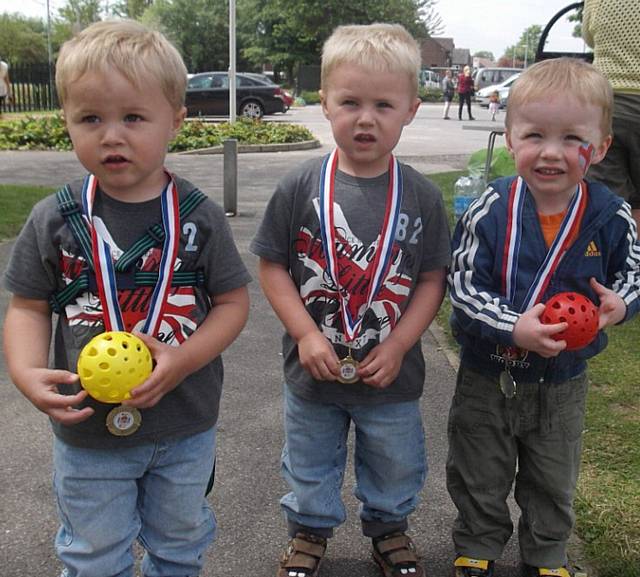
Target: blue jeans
154 493
390 464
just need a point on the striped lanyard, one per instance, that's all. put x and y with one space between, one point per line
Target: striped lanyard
104 265
556 252
385 240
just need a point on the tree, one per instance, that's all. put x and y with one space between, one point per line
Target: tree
576 17
198 28
131 8
524 52
287 33
484 54
80 13
22 39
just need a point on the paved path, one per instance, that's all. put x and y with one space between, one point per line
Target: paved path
248 485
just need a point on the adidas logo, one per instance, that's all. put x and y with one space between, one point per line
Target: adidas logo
592 250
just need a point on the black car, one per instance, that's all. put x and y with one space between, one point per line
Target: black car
208 95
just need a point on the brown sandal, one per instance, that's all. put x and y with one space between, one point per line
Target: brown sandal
302 557
396 555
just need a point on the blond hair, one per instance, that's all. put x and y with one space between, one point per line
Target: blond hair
135 51
375 47
562 77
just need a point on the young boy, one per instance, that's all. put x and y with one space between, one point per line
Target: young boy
353 249
140 470
518 409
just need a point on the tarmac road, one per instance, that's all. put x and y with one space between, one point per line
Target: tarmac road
248 484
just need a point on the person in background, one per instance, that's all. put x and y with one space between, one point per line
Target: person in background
465 92
5 84
494 104
612 29
448 90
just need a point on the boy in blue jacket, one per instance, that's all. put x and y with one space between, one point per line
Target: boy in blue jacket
518 410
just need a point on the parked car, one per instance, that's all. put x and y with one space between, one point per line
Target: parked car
489 76
208 95
286 96
482 96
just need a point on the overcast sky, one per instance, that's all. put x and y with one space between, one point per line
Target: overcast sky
475 24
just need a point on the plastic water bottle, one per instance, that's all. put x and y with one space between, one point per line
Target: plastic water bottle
462 196
465 190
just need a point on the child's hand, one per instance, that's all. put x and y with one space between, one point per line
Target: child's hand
612 308
318 357
531 334
381 366
40 386
168 372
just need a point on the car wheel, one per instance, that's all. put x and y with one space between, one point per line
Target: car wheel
252 109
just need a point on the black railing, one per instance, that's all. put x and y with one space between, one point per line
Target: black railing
32 87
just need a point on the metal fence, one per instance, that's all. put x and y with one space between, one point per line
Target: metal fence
32 87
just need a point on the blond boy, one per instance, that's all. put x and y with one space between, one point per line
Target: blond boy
353 249
138 471
518 411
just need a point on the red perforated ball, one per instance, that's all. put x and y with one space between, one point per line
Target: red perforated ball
579 312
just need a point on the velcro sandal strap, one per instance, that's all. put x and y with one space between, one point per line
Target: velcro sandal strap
302 557
393 543
472 563
303 546
560 572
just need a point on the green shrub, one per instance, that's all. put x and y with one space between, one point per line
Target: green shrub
311 96
430 94
50 133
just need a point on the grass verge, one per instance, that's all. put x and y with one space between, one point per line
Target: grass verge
15 204
608 496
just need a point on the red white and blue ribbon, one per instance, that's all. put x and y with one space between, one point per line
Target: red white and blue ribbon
557 250
382 255
104 266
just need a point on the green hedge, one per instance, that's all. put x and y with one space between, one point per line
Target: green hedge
49 133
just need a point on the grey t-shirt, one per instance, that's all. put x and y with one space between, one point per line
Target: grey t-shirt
46 258
290 235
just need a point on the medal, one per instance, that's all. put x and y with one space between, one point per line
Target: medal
123 421
351 318
348 370
507 384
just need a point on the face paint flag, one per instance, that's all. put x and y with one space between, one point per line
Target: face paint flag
585 154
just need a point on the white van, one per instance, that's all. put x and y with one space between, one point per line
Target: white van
488 76
429 79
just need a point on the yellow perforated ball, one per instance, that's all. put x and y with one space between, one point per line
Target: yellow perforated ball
113 363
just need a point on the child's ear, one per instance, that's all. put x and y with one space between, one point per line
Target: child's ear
507 138
178 119
323 103
601 151
413 109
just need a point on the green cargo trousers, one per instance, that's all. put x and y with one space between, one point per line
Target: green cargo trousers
534 438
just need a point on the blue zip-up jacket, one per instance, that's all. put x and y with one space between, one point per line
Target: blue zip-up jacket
483 319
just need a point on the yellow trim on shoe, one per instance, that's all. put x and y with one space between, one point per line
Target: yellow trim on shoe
560 572
473 563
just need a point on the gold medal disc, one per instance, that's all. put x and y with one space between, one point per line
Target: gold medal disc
123 421
348 371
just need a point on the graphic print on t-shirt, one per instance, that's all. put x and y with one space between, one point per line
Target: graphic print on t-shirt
354 272
179 319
